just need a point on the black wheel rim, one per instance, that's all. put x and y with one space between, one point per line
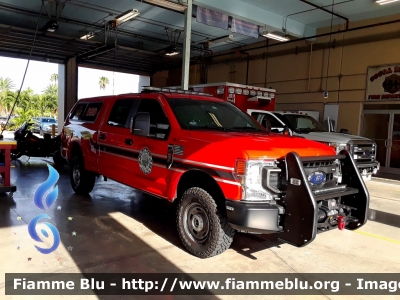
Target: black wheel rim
76 175
196 223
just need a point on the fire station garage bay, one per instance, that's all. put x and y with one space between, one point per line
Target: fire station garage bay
225 140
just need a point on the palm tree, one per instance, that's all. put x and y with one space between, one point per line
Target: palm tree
51 89
54 77
103 81
6 84
7 102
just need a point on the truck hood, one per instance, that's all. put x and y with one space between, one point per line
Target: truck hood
331 137
253 145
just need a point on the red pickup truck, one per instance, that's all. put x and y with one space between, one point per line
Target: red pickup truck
227 172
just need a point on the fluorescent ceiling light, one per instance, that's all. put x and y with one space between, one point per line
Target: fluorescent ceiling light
126 16
171 51
382 2
275 36
87 36
222 39
51 26
168 4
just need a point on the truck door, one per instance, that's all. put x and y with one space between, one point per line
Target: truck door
116 155
151 166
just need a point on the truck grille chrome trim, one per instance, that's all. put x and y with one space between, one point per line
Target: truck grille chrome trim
363 151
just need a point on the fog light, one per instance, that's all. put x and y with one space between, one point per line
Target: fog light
295 181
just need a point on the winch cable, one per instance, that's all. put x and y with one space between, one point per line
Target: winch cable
26 69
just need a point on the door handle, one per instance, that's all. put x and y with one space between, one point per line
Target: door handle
102 136
129 142
386 143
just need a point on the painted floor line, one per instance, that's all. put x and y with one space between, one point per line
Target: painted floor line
378 237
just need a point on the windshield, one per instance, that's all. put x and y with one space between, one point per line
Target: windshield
49 120
301 123
198 114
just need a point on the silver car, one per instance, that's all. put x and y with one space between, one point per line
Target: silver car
44 125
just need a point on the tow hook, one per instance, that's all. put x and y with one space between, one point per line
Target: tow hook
341 221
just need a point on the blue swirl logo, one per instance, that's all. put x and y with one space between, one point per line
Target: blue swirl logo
44 202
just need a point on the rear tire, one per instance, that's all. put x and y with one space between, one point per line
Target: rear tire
203 229
82 181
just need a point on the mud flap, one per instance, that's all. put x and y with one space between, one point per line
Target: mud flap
301 212
360 201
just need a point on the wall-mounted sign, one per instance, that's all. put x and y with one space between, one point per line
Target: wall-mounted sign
383 83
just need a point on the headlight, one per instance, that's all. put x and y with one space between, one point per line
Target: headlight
249 174
339 147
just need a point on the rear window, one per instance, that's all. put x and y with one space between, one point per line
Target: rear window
86 111
49 120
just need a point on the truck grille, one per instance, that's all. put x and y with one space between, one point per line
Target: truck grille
364 151
277 176
327 167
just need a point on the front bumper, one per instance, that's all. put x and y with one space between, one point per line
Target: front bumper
295 215
49 130
368 169
253 217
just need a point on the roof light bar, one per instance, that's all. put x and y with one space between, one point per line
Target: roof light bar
171 90
274 36
126 16
168 4
382 2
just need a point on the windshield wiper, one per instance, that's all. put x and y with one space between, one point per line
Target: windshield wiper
303 130
245 129
206 127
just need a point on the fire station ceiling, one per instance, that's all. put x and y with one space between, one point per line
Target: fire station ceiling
140 45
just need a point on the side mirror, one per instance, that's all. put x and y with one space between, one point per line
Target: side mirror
266 124
140 125
287 131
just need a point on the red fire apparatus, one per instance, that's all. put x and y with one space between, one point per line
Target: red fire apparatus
243 96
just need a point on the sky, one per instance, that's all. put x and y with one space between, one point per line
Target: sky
37 76
120 83
39 73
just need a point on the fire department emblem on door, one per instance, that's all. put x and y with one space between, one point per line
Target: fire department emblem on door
145 160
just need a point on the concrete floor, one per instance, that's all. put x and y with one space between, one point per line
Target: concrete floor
121 230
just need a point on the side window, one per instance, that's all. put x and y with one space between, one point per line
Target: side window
260 117
120 113
78 111
91 112
159 124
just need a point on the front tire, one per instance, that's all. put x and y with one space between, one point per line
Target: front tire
203 229
82 181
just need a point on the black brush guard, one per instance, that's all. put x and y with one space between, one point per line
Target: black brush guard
300 201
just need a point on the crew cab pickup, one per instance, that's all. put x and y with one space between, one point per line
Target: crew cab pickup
226 171
362 149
